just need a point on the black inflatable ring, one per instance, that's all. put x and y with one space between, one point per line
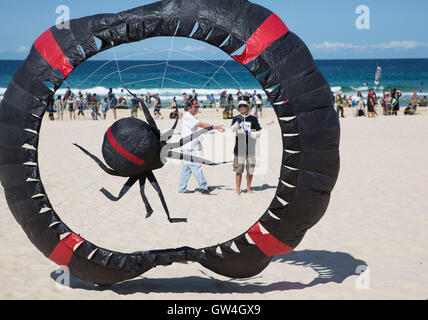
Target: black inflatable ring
279 60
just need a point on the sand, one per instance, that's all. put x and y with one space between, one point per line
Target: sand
375 222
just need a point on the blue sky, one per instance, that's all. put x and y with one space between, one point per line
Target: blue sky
328 27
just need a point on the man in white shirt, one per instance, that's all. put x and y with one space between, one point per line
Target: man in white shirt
190 125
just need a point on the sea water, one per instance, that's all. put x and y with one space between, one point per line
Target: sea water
171 79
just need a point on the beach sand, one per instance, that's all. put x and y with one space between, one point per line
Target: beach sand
375 222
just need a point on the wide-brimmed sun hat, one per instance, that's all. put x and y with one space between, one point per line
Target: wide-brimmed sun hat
243 103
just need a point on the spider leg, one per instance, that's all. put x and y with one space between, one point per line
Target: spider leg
98 161
128 185
146 111
149 209
151 177
190 158
168 135
188 139
148 116
166 149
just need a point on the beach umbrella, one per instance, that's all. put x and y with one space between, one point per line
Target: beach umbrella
283 65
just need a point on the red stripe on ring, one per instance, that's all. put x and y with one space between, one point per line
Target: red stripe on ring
267 243
64 250
53 54
122 151
270 31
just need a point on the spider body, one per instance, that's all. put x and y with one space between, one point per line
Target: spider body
132 147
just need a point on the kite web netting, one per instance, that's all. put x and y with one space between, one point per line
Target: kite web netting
170 74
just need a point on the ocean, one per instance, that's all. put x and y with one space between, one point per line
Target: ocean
175 77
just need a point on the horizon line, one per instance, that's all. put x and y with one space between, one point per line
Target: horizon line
316 59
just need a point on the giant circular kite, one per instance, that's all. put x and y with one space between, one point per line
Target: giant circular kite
280 61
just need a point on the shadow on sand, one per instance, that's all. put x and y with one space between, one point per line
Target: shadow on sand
332 267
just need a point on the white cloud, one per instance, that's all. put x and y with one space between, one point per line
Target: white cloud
331 45
23 49
402 45
392 45
194 48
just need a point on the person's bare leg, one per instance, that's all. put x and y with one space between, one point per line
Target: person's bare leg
238 183
249 182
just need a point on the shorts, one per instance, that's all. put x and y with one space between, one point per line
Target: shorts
134 112
241 162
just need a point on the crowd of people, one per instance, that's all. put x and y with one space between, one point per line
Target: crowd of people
389 103
245 125
76 106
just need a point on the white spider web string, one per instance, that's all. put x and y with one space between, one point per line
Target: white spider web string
67 84
117 65
167 64
212 64
221 67
198 74
112 60
215 73
159 78
130 68
179 52
167 61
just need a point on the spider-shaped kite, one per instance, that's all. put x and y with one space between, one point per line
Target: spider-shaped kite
134 148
